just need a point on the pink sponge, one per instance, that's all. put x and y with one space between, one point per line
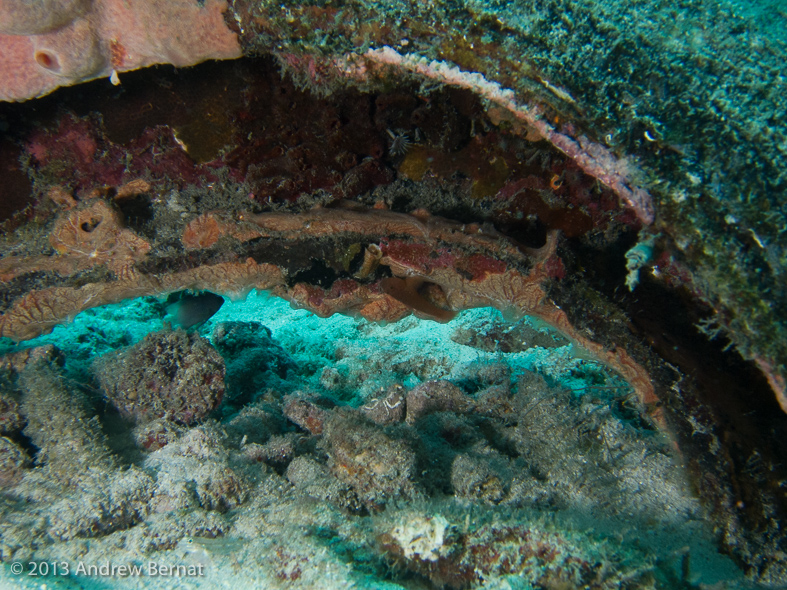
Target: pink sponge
52 43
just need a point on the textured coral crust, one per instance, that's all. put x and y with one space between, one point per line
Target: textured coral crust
209 227
91 40
419 258
205 230
345 297
86 237
325 222
94 235
480 266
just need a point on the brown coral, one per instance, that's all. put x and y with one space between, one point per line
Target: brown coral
205 230
132 189
84 237
94 235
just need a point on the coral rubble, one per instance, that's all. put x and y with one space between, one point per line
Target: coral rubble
445 471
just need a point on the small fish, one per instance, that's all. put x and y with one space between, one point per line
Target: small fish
193 309
406 291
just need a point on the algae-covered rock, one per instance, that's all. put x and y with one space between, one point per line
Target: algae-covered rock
195 471
76 488
174 375
10 418
254 359
12 461
378 467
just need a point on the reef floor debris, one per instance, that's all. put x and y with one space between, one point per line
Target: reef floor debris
411 454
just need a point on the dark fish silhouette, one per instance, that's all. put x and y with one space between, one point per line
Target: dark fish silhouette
194 309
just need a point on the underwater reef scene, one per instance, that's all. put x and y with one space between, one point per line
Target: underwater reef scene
402 294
